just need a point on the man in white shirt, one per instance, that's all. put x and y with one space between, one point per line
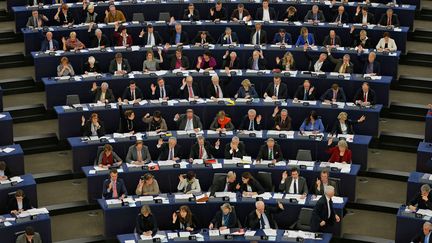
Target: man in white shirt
215 90
259 36
265 13
295 184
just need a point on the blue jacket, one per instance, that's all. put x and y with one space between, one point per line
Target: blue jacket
278 39
301 41
317 127
241 93
45 45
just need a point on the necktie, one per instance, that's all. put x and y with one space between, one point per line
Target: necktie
342 68
251 125
270 154
229 40
340 18
257 41
149 41
305 95
200 152
35 22
365 97
162 90
171 154
388 20
191 94
114 190
315 17
262 222
275 92
139 155
295 186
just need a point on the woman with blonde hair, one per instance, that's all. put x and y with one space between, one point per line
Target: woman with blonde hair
344 125
246 90
287 62
145 222
225 218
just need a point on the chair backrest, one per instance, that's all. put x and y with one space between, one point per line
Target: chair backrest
11 195
303 222
265 179
72 100
304 155
337 181
98 152
164 16
138 17
18 233
218 176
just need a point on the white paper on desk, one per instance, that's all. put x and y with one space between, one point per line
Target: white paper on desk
166 162
16 179
184 234
339 200
264 162
280 163
10 219
113 201
183 164
172 235
7 224
265 195
129 200
298 197
278 196
247 159
98 168
198 161
2 116
214 232
92 172
306 163
217 166
183 196
225 194
161 237
132 241
8 150
4 182
426 212
135 48
270 232
250 233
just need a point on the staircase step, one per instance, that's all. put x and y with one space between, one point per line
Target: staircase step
11 60
353 238
405 142
414 84
420 34
405 111
20 86
41 143
29 113
5 15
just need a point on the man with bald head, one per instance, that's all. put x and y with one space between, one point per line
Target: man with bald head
425 236
263 216
234 149
372 66
215 90
341 16
49 44
323 215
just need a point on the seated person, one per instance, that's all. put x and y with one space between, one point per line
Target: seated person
127 121
92 127
246 90
4 171
98 40
276 89
339 153
218 13
250 186
342 65
386 43
305 92
189 89
151 63
389 19
251 121
119 65
322 182
138 154
295 184
36 20
188 121
364 17
49 44
146 224
360 41
323 215
282 37
334 94
91 66
371 66
170 150
234 149
240 14
320 64
230 61
102 94
314 15
155 122
332 40
65 68
422 200
305 38
29 236
265 13
88 14
179 61
108 157
184 220
344 125
312 123
282 121
147 185
263 216
114 15
64 15
425 235
161 91
206 62
221 123
114 187
19 203
341 16
151 37
179 37
270 151
202 149
365 96
203 38
215 90
228 37
258 36
132 93
225 218
72 43
257 61
35 2
188 183
287 62
121 37
225 184
290 15
191 13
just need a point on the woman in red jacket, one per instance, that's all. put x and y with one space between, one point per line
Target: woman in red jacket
339 153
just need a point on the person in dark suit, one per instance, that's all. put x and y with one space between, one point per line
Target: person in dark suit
218 13
49 44
286 63
226 218
361 41
334 94
179 37
389 19
341 17
344 125
257 61
332 40
29 236
372 66
202 149
92 127
119 65
178 60
282 37
138 154
230 61
34 2
342 65
191 13
249 185
362 16
188 121
290 15
114 187
184 220
215 90
228 37
422 200
234 149
265 13
276 89
5 173
258 36
132 93
146 223
282 121
160 90
270 151
188 90
314 15
151 37
320 64
224 184
19 203
425 236
103 93
121 37
365 95
203 38
251 121
170 150
322 182
91 66
295 184
305 91
240 14
98 39
323 215
263 216
64 15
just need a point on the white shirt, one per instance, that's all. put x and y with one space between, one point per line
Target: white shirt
204 153
276 90
254 37
318 65
266 222
344 128
119 66
218 89
248 188
291 189
2 173
364 19
266 15
189 125
151 39
20 205
240 16
51 45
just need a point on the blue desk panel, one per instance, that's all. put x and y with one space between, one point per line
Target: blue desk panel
42 225
28 186
407 226
1 100
428 132
6 129
14 160
424 157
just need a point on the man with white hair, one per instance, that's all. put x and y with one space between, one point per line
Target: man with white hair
425 236
234 149
215 90
423 199
170 150
342 65
224 184
98 40
252 121
263 216
102 94
323 215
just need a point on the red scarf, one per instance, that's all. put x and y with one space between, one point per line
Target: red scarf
222 123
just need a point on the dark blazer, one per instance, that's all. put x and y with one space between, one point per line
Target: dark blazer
156 35
357 42
245 124
261 63
128 96
211 91
236 154
219 186
144 224
371 96
321 191
310 16
93 69
195 16
235 14
260 12
210 149
164 151
326 66
232 220
253 222
370 18
222 14
209 39
345 18
264 153
183 38
227 62
125 66
420 238
184 62
168 92
338 62
302 185
223 41
255 186
45 45
320 213
262 36
278 38
328 95
103 42
299 94
108 95
7 172
126 125
62 18
420 203
292 18
182 121
86 129
121 188
284 126
376 67
327 41
282 92
184 93
13 204
349 123
394 20
195 223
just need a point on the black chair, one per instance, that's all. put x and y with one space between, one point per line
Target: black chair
98 152
337 181
72 100
164 16
217 177
265 179
138 17
304 155
303 221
